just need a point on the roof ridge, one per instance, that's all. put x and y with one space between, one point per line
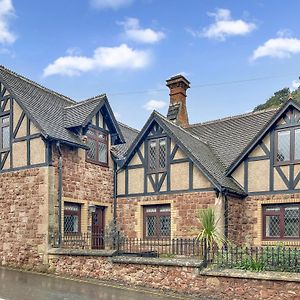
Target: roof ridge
181 128
131 128
86 101
233 117
37 84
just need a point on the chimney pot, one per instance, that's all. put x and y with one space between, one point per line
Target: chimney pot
177 112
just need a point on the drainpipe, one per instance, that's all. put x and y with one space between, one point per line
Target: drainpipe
115 204
59 193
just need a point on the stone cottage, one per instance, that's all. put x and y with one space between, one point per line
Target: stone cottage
70 168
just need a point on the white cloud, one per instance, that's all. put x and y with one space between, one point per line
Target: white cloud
294 85
224 26
134 32
104 58
6 11
154 105
112 4
280 47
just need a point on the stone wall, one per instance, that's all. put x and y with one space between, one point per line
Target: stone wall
245 218
84 180
184 210
174 278
85 183
24 197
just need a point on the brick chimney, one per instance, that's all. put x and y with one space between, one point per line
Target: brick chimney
177 112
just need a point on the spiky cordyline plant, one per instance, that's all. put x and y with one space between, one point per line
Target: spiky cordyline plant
209 232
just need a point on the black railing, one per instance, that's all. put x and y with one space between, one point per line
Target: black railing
161 247
84 240
269 258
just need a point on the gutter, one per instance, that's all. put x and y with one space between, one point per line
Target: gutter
59 192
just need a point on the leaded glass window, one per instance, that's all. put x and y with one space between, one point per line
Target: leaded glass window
4 132
281 221
287 146
157 155
72 213
98 143
283 145
157 221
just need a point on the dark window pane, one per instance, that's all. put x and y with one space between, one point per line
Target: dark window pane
272 226
165 225
5 137
291 221
152 155
283 151
71 224
92 152
151 226
162 154
102 152
297 144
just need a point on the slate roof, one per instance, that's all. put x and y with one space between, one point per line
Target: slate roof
203 155
130 135
77 115
173 112
228 137
52 112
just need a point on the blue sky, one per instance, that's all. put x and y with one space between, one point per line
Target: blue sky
128 48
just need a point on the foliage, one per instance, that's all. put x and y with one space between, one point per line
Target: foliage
276 258
209 232
279 98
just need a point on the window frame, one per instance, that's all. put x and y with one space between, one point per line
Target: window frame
7 124
281 221
292 159
98 140
157 214
157 169
72 213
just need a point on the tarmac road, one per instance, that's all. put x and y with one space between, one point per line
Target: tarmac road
16 285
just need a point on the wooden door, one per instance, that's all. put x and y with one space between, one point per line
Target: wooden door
98 224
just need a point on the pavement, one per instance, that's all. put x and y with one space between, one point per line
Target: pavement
20 285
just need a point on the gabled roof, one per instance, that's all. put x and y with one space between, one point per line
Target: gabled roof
129 135
261 133
46 108
228 137
196 149
78 114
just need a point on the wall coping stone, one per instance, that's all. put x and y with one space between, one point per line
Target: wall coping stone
176 262
242 274
81 252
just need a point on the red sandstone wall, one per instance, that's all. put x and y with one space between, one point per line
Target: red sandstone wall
177 279
23 216
184 210
83 180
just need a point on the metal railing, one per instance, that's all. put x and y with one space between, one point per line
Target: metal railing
269 258
161 247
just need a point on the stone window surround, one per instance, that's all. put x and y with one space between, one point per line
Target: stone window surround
85 216
139 216
260 222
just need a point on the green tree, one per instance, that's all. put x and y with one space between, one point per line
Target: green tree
279 98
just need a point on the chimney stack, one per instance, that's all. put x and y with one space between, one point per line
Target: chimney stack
177 112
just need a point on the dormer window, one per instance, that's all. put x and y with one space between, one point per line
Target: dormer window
97 140
157 155
4 133
287 146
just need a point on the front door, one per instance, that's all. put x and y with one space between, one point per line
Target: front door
98 228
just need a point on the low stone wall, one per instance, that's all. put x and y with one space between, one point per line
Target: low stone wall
179 276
